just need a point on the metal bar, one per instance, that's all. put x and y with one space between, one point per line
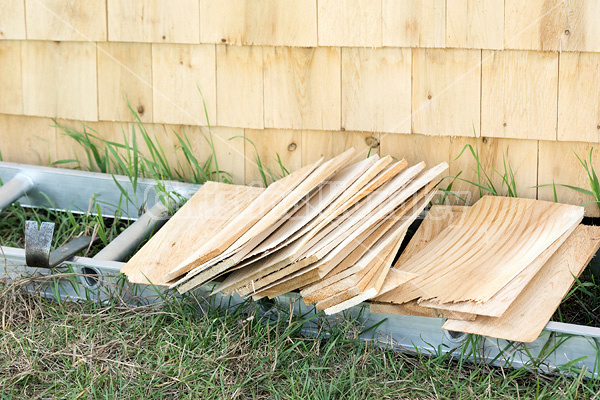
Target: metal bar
130 238
573 345
14 189
81 191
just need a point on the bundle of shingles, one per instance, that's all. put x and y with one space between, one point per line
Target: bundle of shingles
499 268
326 224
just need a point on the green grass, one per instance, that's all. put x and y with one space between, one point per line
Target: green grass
187 348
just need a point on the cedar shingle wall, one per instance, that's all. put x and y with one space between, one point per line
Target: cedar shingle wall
304 78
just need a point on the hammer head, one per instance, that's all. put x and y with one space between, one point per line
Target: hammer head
37 243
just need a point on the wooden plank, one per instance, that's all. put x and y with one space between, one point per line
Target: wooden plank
154 21
12 20
352 232
497 305
475 24
317 144
240 83
497 252
553 25
519 155
11 95
410 148
209 211
184 80
266 22
372 79
66 20
302 88
268 144
59 80
264 204
414 23
352 23
519 92
413 309
34 142
440 76
578 100
124 74
568 171
529 314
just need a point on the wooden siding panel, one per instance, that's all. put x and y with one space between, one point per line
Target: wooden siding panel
269 144
59 80
27 140
414 23
124 74
579 97
66 20
557 25
446 91
519 94
475 24
559 165
240 86
11 84
259 22
183 79
156 21
328 144
350 23
12 20
376 86
412 148
302 88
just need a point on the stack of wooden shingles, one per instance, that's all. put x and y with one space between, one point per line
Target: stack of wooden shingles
499 268
326 225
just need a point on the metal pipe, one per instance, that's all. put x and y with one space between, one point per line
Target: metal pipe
14 189
131 237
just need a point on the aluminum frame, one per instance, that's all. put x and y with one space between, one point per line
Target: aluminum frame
560 347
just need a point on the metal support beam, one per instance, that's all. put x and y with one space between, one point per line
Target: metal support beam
14 189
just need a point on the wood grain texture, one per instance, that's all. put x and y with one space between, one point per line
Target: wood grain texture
66 20
27 140
267 145
154 21
493 258
578 97
519 155
184 80
529 314
558 164
376 89
439 78
413 309
410 148
246 221
262 22
124 74
240 83
475 24
414 23
209 211
554 25
12 20
519 92
497 305
349 23
317 144
11 95
302 88
59 80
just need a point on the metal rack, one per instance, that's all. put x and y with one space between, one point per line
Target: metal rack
559 346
